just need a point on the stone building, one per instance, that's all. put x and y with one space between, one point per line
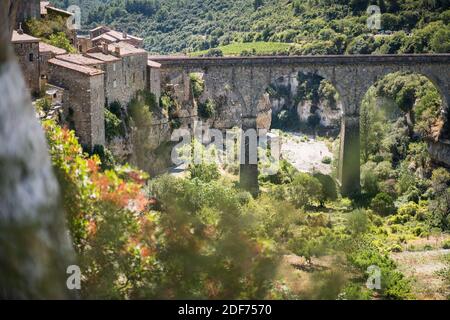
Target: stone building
104 34
112 66
130 75
83 101
46 53
154 78
27 52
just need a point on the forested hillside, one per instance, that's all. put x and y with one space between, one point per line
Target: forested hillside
314 26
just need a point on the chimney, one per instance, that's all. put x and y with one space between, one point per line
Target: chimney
20 30
124 35
117 51
105 48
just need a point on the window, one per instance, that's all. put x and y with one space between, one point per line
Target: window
134 77
114 84
114 66
31 57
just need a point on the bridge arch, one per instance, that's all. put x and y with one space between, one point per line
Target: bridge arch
247 77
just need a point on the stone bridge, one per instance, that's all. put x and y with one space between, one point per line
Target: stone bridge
247 78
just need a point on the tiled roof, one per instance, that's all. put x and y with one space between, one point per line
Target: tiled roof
105 36
57 10
98 28
126 49
45 47
120 36
76 67
153 64
79 59
103 57
17 38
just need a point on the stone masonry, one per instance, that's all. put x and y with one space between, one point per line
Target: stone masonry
84 99
243 81
27 52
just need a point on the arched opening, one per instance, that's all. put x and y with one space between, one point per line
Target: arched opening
305 110
402 118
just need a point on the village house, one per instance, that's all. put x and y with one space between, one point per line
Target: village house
26 48
47 52
83 101
130 75
104 34
111 66
101 35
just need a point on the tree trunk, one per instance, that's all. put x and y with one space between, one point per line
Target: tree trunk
35 248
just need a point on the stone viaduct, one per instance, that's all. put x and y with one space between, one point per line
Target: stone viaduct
246 79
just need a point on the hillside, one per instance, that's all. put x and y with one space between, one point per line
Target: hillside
316 26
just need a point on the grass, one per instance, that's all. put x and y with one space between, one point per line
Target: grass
260 48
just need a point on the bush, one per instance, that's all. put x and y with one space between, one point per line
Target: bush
329 188
357 221
383 204
393 284
198 85
204 172
446 244
304 190
409 209
326 160
106 157
113 126
214 53
207 109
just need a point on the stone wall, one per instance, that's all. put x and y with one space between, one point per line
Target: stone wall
97 103
114 82
134 76
440 152
28 57
83 102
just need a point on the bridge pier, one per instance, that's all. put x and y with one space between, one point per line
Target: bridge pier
349 156
248 171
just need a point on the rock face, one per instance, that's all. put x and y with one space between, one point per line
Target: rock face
35 250
440 152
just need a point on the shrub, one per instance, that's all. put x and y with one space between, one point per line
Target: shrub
393 283
106 157
113 126
329 188
369 180
205 172
357 221
207 109
304 190
198 85
409 209
446 244
214 53
383 204
326 160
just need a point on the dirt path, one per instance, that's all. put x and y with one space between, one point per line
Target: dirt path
421 268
